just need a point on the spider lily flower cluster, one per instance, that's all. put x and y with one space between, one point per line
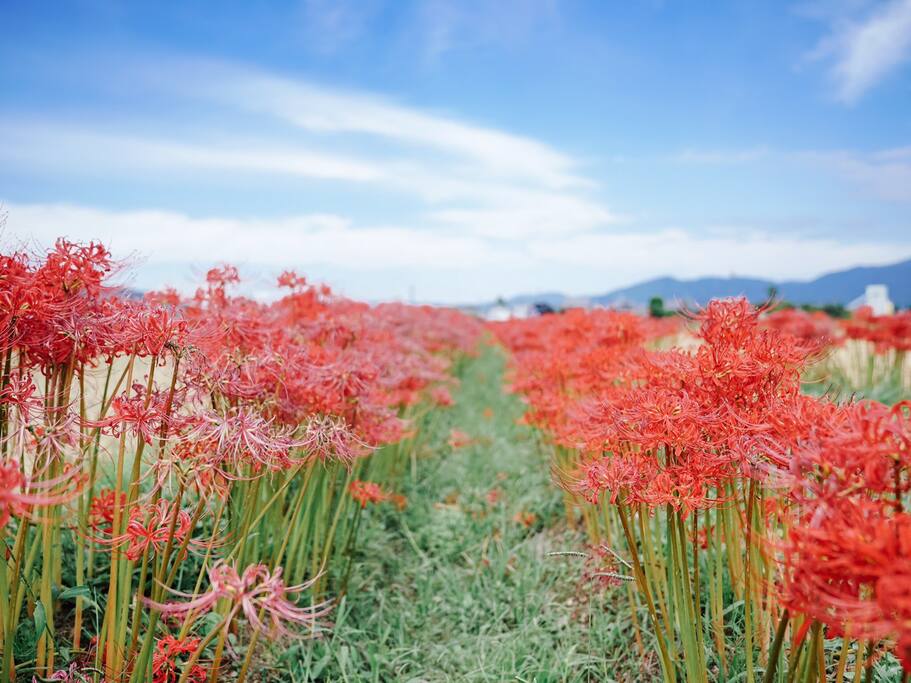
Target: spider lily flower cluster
733 496
864 351
880 348
167 459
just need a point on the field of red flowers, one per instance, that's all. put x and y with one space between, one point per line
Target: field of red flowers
183 481
717 490
174 471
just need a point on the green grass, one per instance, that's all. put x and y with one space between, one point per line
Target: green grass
453 588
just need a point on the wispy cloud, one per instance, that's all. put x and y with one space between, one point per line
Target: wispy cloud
455 174
496 210
306 239
325 110
885 174
742 252
534 216
59 144
865 50
329 26
448 25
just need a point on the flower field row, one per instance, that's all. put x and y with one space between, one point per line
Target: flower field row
180 478
863 351
765 532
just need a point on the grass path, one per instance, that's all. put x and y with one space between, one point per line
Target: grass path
455 588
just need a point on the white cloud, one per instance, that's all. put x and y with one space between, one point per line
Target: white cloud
169 236
325 110
895 154
461 195
639 256
476 179
328 26
477 210
378 262
884 175
535 215
56 145
866 51
447 25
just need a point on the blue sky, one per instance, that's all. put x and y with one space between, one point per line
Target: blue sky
460 150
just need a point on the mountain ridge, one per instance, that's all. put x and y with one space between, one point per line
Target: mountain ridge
838 287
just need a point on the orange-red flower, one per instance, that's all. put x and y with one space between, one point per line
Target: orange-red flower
365 492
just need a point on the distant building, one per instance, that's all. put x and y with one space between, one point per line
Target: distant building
622 303
498 313
503 311
877 298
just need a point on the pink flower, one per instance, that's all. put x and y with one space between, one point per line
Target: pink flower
459 439
142 414
245 436
256 590
17 494
329 438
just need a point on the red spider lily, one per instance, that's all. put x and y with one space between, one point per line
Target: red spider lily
168 297
672 427
144 415
525 518
56 436
153 329
559 358
329 438
217 282
815 329
168 660
243 436
884 332
58 304
849 540
72 674
441 396
101 509
22 409
308 380
18 495
193 464
256 590
73 268
367 492
19 393
150 528
459 439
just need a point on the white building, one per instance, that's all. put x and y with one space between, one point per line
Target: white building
877 298
502 312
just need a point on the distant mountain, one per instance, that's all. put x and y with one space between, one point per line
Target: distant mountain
845 285
834 288
686 291
554 299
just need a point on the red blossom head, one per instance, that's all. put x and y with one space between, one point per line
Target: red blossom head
365 492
